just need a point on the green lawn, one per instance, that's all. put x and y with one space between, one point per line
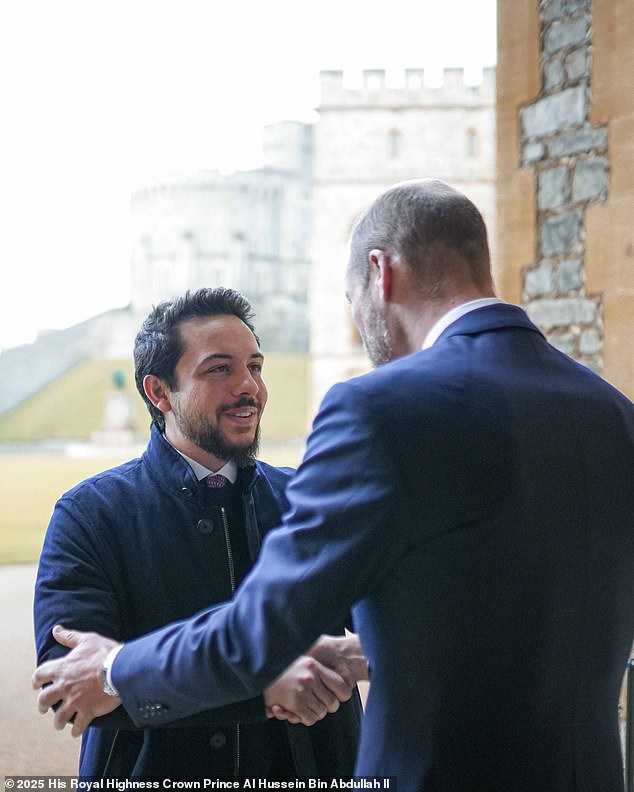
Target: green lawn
73 407
30 484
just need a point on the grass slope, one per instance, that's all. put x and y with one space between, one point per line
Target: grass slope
72 408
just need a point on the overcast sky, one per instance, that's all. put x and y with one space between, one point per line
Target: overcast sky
96 96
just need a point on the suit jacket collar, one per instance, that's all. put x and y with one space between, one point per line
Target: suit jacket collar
490 317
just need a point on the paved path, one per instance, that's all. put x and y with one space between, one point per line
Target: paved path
28 743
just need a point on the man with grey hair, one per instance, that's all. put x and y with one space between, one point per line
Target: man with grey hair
471 499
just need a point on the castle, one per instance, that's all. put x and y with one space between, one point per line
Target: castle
248 231
273 231
279 233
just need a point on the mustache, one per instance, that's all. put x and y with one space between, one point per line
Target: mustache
245 401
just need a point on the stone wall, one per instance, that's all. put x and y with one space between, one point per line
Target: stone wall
563 229
570 158
27 369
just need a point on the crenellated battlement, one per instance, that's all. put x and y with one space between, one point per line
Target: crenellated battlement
406 89
175 185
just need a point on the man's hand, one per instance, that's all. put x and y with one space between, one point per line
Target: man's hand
306 692
72 684
342 654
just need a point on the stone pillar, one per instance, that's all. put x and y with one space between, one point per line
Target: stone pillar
569 155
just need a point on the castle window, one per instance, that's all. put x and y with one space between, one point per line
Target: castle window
471 142
262 278
394 144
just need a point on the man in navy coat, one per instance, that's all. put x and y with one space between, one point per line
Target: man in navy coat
148 542
472 499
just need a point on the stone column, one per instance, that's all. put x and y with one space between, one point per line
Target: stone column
570 158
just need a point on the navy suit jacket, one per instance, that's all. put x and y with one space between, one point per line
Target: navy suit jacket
474 504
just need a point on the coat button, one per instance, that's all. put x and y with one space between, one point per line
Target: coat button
204 526
187 493
218 740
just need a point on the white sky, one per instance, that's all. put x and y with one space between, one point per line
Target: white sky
95 96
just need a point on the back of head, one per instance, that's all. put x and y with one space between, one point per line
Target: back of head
433 228
158 345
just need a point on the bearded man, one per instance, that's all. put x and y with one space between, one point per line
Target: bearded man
164 536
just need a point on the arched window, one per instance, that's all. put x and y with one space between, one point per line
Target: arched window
394 144
471 142
262 279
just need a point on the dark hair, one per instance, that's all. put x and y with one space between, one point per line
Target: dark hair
158 346
419 221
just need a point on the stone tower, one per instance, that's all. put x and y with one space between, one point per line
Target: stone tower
247 230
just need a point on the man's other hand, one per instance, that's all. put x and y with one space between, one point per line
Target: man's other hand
342 654
306 692
72 683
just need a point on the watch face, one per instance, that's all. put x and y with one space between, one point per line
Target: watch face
105 685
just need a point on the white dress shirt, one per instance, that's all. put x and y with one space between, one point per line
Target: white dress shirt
229 470
455 313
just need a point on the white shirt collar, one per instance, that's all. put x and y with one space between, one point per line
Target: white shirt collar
229 470
455 313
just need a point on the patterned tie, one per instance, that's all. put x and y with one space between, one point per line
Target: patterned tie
215 481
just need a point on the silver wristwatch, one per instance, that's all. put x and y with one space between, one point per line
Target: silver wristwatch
104 673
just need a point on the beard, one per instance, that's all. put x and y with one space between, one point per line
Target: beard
210 438
376 339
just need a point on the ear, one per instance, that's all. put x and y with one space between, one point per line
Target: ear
157 392
381 273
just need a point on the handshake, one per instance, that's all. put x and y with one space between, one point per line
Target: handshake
311 687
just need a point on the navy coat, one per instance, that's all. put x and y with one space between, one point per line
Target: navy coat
135 548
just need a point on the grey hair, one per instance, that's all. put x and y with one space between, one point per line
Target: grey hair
420 221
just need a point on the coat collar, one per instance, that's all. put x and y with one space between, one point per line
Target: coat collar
172 471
